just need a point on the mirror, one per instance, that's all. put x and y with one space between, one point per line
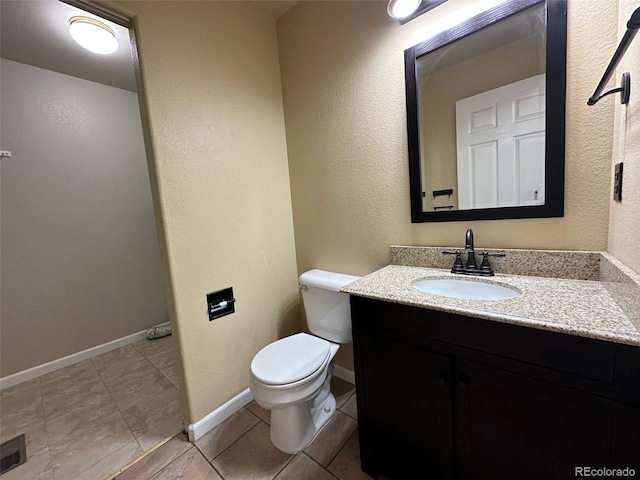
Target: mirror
486 116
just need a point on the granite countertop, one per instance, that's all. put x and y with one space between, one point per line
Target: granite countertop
573 306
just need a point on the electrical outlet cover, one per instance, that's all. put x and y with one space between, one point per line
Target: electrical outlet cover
617 183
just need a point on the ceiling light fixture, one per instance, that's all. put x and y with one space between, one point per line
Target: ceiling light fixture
93 35
402 8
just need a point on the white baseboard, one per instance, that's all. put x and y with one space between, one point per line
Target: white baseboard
34 372
201 427
344 374
219 415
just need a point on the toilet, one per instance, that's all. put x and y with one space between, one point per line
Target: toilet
291 376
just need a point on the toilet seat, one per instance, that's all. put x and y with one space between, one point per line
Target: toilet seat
290 360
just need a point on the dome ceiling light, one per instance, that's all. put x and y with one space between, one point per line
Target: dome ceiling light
93 35
402 8
405 10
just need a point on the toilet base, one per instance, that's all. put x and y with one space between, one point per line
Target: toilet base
295 426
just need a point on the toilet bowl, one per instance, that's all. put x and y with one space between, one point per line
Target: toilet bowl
299 398
291 377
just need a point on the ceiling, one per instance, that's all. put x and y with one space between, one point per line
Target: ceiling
35 32
275 8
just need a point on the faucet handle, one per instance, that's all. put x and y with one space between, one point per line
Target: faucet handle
457 265
485 266
493 254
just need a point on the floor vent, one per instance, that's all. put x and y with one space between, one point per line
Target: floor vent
12 453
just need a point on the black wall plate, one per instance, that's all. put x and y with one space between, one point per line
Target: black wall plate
617 183
220 303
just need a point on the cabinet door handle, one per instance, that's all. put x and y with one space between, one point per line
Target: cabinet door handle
443 378
463 382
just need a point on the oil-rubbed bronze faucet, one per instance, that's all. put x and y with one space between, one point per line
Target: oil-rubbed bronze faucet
471 267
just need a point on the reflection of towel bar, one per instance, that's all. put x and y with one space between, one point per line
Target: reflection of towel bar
443 207
438 193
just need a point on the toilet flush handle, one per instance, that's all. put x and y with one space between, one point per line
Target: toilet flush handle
303 288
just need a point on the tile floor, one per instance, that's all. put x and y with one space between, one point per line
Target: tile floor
240 448
93 418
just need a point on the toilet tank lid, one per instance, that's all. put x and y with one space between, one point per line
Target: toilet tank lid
327 280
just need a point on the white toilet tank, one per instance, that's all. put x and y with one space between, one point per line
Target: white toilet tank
327 309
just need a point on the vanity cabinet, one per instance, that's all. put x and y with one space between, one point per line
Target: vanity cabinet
448 396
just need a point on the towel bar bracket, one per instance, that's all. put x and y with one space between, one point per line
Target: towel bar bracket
624 89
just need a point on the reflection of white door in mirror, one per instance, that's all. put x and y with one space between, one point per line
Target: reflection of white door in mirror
500 137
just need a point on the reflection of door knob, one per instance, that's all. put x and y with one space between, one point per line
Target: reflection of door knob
463 382
443 378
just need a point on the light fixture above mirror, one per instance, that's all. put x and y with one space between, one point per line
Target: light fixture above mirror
405 10
93 35
402 8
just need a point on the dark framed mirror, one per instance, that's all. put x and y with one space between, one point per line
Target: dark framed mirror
486 116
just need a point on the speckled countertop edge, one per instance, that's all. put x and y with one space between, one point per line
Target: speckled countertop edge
623 284
577 307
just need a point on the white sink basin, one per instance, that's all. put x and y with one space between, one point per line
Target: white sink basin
465 289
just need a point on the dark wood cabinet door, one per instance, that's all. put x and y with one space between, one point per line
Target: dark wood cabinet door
404 409
511 426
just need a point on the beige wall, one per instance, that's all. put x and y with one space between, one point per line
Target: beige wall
624 226
343 87
222 185
80 258
216 126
